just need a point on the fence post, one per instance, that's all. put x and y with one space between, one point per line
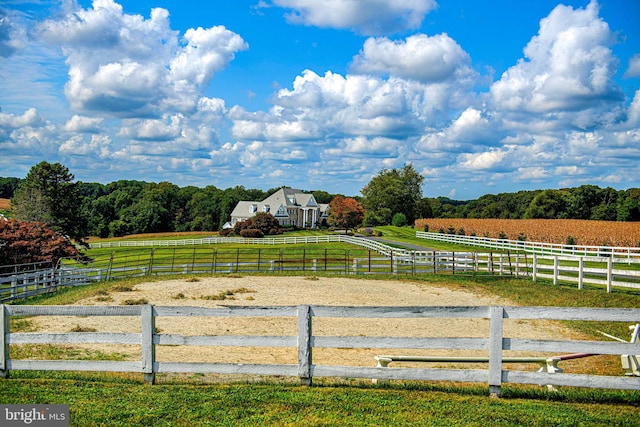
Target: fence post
148 348
435 263
453 262
609 273
535 267
150 269
4 345
556 269
580 272
495 351
109 267
305 354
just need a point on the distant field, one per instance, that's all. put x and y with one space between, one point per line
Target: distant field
160 236
585 232
4 204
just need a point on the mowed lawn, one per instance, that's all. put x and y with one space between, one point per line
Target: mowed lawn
112 400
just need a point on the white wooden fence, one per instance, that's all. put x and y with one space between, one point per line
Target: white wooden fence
494 344
289 240
619 252
606 272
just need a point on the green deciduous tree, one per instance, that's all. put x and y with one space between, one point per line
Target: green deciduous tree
393 191
547 204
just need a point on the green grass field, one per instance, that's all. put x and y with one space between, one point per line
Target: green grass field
101 400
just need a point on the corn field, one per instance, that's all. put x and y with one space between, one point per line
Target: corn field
560 231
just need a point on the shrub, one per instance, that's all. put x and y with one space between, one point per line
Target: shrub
399 220
426 228
262 221
461 232
251 233
522 237
571 241
502 235
226 232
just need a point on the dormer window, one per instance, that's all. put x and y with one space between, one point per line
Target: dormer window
266 208
254 208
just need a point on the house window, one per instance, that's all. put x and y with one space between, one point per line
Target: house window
266 208
254 208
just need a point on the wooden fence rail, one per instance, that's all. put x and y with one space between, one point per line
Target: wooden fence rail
631 254
494 344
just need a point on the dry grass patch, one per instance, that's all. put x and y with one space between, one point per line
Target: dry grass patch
131 301
227 295
124 288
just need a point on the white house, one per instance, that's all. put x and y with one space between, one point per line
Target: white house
288 206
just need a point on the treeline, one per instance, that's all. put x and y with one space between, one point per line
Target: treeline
130 207
584 202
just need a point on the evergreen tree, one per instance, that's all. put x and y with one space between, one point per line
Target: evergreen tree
49 195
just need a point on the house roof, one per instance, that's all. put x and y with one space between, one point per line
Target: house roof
291 197
287 197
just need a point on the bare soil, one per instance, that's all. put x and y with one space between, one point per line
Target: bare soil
287 291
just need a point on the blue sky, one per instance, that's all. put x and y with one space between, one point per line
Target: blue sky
481 97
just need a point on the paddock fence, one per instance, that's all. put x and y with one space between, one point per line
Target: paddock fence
306 344
606 272
620 253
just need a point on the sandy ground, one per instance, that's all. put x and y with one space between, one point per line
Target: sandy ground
284 291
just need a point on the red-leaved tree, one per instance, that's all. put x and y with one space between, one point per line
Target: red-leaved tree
31 242
345 212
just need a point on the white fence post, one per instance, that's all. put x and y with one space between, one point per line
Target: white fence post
148 348
556 269
495 351
305 353
580 272
609 273
4 345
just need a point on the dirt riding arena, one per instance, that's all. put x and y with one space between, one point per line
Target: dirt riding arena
286 291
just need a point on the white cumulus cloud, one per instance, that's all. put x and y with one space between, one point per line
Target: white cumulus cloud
568 66
369 17
419 57
129 66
